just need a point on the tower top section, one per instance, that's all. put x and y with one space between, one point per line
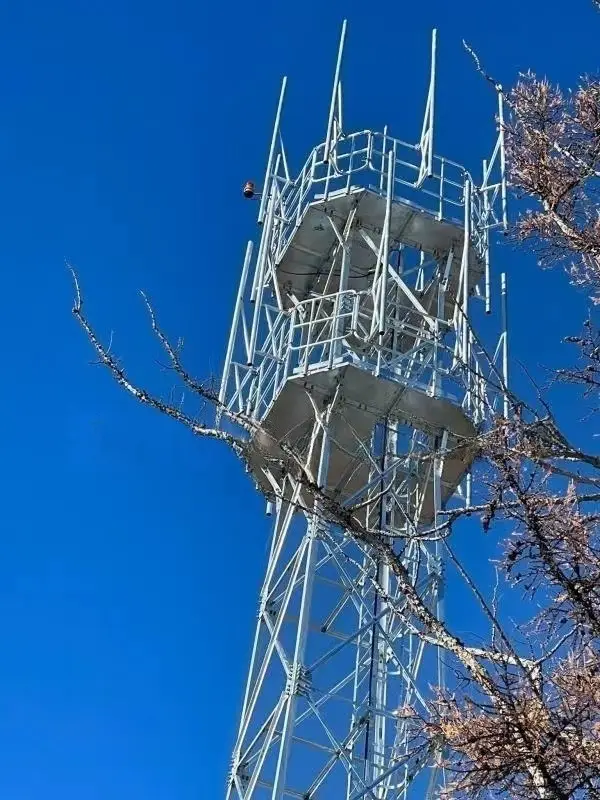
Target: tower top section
357 297
348 160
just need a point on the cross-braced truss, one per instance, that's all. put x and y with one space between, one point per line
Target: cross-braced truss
337 658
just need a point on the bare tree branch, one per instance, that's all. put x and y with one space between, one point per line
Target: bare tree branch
107 360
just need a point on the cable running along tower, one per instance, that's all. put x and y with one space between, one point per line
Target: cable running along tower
352 346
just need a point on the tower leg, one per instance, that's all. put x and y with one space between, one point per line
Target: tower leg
296 676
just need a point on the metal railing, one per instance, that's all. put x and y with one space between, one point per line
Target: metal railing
323 332
359 160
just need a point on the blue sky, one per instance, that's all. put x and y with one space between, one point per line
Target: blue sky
131 554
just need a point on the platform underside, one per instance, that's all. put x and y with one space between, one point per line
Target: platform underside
304 266
291 418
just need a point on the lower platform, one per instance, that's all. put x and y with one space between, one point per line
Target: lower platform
362 401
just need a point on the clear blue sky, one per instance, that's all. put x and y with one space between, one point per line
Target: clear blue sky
131 554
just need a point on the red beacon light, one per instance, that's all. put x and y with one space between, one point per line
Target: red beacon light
249 190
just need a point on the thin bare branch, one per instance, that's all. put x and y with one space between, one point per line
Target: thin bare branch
107 360
497 86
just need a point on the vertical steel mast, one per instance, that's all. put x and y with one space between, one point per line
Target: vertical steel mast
352 347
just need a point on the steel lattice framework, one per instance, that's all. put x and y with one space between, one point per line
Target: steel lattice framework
352 345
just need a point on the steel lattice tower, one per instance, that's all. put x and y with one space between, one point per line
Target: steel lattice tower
352 347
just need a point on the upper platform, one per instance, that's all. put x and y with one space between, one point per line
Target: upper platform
428 207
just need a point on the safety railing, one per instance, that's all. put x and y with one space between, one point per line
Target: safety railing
323 332
359 160
319 326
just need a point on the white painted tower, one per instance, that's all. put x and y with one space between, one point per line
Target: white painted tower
352 346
